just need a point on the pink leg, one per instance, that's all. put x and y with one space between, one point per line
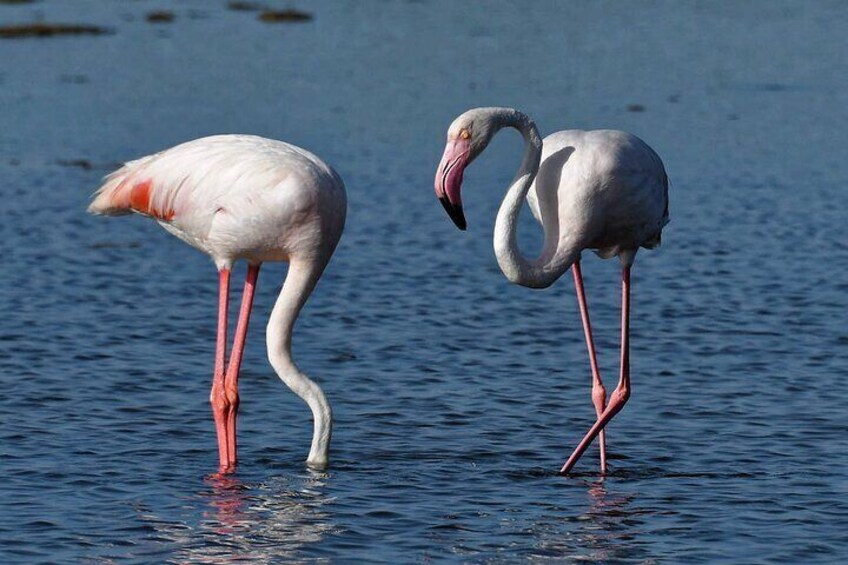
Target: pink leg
217 397
231 379
599 393
622 390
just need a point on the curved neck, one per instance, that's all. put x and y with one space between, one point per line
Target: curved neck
542 272
300 281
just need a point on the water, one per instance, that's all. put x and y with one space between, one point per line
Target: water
456 395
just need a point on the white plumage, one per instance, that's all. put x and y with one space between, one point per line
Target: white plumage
244 197
603 190
606 188
234 197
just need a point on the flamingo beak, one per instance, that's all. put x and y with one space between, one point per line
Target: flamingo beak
449 179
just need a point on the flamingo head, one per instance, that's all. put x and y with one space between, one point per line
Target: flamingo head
468 135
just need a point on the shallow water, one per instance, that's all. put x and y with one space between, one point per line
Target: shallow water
456 395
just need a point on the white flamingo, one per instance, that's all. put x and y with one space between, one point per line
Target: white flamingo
244 197
604 190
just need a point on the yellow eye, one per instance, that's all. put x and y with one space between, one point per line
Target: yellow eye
464 134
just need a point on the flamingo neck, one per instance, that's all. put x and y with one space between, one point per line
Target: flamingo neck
553 262
300 281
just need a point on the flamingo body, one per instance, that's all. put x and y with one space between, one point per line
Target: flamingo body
234 197
244 197
604 190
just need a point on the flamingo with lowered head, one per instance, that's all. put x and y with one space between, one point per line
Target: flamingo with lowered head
603 190
244 197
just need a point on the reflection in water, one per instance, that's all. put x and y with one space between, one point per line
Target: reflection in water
606 531
228 499
269 522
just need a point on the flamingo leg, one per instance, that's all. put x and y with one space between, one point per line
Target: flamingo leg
622 390
217 397
232 374
599 393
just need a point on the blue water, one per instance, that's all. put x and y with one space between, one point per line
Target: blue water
457 395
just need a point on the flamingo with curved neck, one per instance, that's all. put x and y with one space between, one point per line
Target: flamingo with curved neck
603 190
242 197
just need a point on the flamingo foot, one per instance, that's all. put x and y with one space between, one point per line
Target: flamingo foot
224 470
222 477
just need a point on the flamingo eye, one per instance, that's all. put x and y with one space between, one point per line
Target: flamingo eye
464 134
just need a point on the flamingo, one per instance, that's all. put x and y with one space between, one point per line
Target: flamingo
603 190
244 197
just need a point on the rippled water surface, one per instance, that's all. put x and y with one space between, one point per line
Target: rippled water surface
456 394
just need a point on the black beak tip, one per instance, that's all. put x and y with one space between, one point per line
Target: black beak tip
459 220
455 213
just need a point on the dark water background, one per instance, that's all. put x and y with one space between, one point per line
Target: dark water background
456 394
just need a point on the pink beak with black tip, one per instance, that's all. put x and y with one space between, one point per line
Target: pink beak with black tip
449 179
